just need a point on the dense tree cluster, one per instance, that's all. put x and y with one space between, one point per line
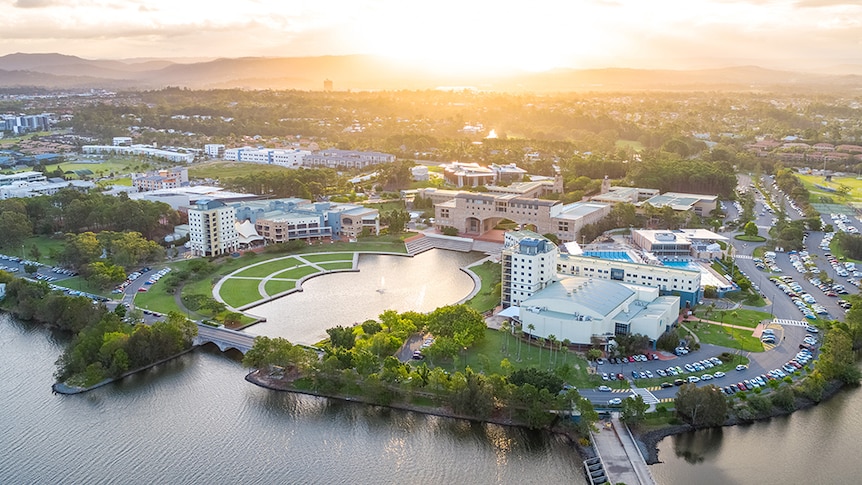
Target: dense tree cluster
71 211
37 302
701 406
305 184
850 244
670 174
111 347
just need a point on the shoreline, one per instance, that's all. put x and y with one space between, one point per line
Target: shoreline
67 390
255 377
648 440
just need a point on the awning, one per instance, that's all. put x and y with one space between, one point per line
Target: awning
512 311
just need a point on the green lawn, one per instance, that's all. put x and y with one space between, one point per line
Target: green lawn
387 206
492 348
322 258
157 299
269 268
743 317
743 237
732 338
854 184
274 287
296 273
486 299
46 245
80 284
237 293
337 265
229 170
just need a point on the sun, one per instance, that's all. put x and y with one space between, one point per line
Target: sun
473 39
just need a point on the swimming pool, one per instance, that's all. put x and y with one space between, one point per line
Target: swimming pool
611 255
706 276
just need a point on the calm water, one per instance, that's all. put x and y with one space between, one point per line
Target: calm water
421 283
195 420
818 445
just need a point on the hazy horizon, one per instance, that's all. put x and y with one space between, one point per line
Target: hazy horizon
448 36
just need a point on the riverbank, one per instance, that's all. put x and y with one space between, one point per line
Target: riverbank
63 388
648 440
258 378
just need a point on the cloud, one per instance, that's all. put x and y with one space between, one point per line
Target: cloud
828 3
33 3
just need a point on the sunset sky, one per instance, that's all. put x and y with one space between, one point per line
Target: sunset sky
463 34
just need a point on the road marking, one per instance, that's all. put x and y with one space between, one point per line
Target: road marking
795 323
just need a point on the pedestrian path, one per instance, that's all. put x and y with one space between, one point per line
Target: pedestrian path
795 323
627 390
743 256
647 396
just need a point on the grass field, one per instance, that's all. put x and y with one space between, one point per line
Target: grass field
732 338
387 206
274 287
267 269
45 245
853 183
296 273
229 170
157 300
237 293
486 299
336 265
741 317
487 356
322 258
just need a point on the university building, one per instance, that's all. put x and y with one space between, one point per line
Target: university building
584 308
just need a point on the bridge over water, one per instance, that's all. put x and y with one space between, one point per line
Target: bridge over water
224 338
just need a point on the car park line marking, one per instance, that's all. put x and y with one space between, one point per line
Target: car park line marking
622 390
666 399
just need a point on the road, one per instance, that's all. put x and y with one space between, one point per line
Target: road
759 363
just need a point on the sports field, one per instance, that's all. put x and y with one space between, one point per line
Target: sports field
820 188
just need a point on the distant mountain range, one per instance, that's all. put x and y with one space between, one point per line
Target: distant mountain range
358 72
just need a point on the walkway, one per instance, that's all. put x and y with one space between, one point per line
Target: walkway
621 457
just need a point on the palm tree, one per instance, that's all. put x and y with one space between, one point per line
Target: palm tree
541 346
566 343
520 334
532 327
506 328
553 340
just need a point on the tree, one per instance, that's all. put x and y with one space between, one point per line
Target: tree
750 229
35 254
538 378
105 275
341 337
14 229
634 409
31 269
701 406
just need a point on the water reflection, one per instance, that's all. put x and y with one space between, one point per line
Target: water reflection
695 448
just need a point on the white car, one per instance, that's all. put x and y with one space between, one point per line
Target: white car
741 367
